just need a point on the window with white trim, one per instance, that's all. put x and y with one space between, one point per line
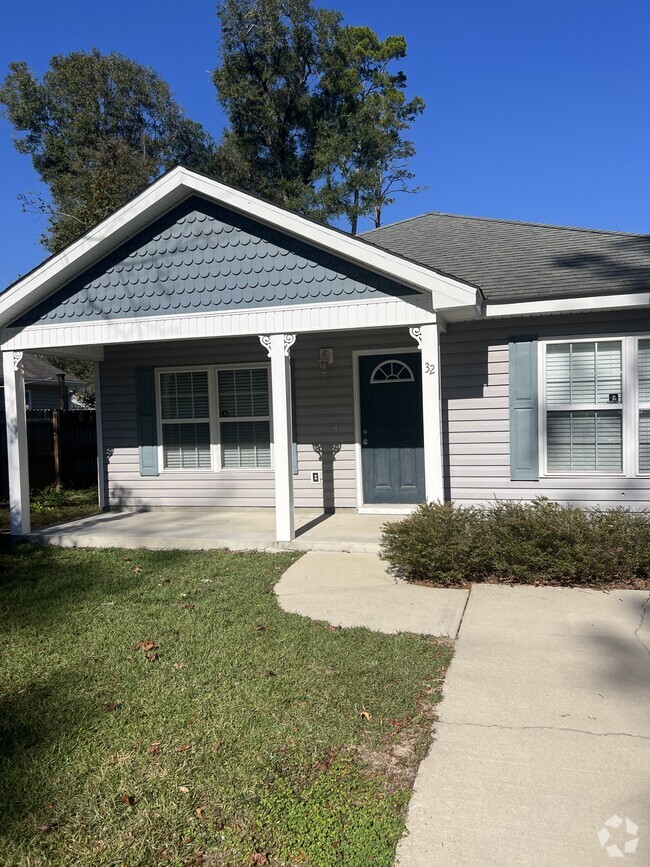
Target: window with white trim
244 419
643 367
185 420
597 417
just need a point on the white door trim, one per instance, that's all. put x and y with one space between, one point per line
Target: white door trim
379 508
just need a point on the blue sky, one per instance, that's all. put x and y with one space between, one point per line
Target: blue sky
536 110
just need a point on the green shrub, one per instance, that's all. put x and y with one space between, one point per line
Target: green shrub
522 543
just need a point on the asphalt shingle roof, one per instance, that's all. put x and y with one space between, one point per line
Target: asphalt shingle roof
513 261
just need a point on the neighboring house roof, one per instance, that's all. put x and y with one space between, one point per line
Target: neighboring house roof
38 371
512 261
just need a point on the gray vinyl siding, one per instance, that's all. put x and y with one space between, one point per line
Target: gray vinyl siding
475 387
475 383
324 418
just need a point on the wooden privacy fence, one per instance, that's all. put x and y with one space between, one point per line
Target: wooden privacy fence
62 448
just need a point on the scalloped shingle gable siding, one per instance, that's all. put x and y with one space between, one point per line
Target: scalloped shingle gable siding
202 257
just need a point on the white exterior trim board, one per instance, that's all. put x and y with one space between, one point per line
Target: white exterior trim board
568 305
271 320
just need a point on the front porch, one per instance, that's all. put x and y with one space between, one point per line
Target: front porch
209 529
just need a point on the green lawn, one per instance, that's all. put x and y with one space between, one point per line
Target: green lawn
54 507
159 708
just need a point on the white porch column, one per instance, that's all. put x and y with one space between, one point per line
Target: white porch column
278 347
14 389
101 488
428 340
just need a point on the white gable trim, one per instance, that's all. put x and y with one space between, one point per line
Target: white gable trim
299 319
179 184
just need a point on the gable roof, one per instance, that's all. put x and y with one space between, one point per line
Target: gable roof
514 261
179 184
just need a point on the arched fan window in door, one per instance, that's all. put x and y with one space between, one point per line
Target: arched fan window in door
392 370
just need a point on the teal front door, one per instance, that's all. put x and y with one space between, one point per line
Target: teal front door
392 441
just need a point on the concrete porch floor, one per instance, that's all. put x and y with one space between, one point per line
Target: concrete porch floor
205 529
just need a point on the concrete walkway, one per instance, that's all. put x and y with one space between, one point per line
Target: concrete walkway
544 731
544 734
355 590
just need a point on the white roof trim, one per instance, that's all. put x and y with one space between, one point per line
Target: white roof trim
299 319
568 305
181 183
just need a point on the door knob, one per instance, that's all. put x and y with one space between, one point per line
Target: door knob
364 442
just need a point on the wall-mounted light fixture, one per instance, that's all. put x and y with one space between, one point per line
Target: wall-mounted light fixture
325 359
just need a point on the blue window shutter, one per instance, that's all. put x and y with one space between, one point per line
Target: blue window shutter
147 422
524 440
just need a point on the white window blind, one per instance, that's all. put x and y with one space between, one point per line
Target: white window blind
644 441
584 441
581 378
643 364
244 418
644 371
185 417
583 373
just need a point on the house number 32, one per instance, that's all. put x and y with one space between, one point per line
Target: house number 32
429 368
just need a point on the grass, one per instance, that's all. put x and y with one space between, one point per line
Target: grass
52 506
159 708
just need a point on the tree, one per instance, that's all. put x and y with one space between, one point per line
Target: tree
270 64
360 144
99 129
316 116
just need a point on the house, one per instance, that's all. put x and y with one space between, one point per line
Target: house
249 357
46 386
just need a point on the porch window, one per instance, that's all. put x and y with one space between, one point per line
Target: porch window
185 420
644 405
244 420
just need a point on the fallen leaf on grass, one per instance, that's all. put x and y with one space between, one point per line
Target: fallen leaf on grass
258 859
128 799
178 665
111 705
200 812
334 628
155 748
260 627
138 569
45 828
145 645
184 789
190 606
151 657
365 714
182 748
